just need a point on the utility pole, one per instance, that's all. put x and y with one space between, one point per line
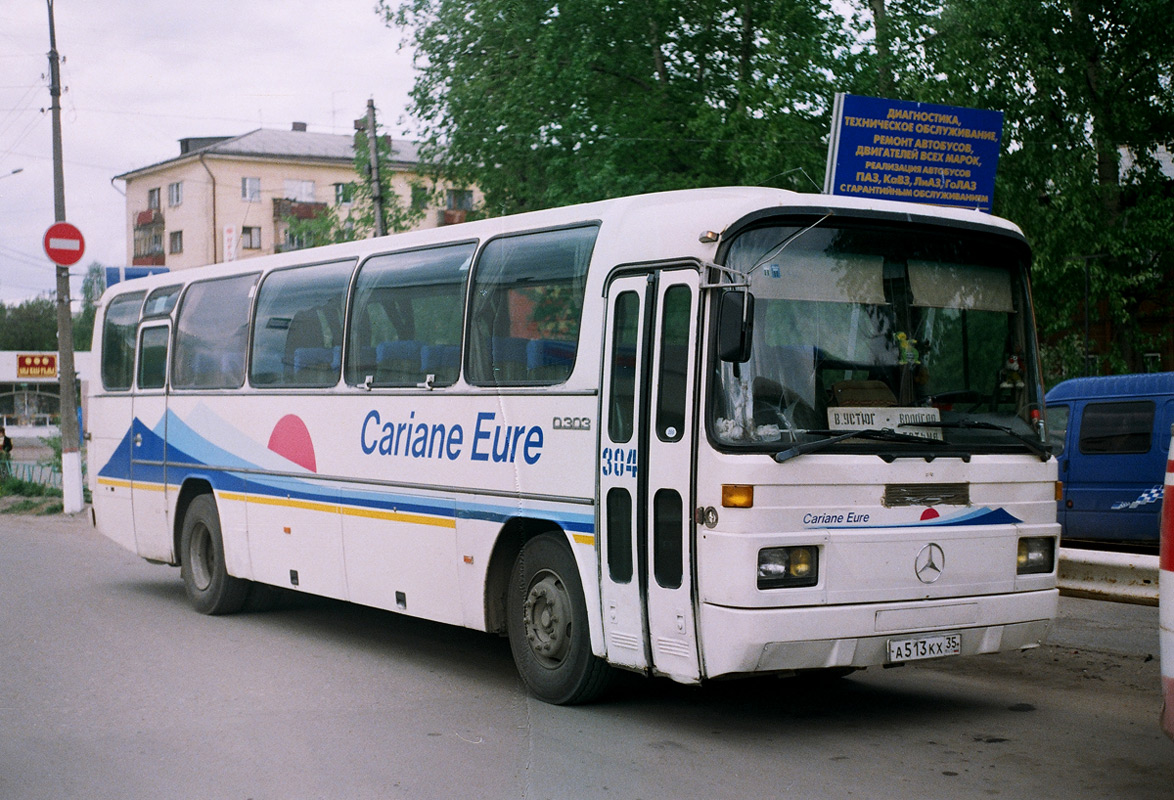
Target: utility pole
376 183
71 460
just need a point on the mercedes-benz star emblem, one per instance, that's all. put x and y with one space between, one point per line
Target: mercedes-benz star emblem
929 563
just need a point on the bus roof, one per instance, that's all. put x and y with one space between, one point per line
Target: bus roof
1144 385
647 220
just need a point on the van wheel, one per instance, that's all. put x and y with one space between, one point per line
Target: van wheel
209 587
547 625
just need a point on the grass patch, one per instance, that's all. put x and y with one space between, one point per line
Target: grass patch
25 505
22 488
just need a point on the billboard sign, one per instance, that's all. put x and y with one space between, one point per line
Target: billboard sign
36 366
916 152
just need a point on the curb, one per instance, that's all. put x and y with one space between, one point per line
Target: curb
1117 577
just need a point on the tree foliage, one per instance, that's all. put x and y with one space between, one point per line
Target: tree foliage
356 219
542 103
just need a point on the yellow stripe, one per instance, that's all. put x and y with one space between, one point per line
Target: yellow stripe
140 485
583 538
331 508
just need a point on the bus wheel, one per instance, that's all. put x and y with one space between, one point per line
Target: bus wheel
547 624
209 587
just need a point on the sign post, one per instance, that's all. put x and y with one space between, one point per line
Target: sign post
64 244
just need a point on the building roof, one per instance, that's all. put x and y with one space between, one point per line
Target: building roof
286 145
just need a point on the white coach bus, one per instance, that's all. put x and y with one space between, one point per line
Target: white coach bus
692 434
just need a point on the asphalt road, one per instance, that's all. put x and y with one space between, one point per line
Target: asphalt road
111 687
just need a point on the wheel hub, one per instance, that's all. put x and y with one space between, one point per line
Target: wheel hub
546 616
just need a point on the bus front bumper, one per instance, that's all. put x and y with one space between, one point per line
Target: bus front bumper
745 640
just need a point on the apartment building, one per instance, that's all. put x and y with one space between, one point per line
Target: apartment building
229 198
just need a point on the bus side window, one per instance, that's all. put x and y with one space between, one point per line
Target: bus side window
297 338
118 341
211 332
153 358
527 304
407 317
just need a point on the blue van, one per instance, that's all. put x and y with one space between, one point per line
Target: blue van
1111 435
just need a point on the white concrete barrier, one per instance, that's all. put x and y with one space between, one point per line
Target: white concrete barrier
1121 577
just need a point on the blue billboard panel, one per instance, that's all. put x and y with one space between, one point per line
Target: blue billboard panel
916 152
118 274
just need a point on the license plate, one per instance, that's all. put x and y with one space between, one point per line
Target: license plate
927 647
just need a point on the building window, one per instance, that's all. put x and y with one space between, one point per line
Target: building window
420 198
460 199
299 191
251 190
251 238
175 193
344 194
153 199
175 241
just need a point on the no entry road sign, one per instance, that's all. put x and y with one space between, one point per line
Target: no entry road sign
64 244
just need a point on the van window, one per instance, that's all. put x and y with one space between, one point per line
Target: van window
1057 428
527 301
1114 428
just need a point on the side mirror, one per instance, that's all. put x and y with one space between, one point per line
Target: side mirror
735 326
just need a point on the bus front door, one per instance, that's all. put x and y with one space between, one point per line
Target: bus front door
646 473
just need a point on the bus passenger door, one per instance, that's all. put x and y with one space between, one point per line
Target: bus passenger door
646 473
148 446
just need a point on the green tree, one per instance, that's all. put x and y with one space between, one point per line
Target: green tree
356 219
83 322
1082 83
542 104
30 325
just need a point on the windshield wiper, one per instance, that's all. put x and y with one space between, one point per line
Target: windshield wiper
882 434
1039 448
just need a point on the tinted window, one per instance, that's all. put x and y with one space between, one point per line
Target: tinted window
407 317
118 340
619 535
297 339
161 301
674 364
212 333
625 331
527 302
667 548
153 358
1107 428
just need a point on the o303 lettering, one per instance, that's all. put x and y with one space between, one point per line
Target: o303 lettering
617 462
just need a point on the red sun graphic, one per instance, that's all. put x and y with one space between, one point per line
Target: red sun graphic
290 439
929 513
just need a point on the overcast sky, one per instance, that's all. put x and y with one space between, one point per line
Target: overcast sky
142 74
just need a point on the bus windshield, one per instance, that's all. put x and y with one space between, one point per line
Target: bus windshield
926 332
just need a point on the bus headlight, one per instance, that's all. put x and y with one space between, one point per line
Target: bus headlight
788 567
1037 554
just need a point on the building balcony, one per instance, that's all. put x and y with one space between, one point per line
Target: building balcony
150 218
297 209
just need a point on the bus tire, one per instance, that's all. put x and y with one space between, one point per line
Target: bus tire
209 587
547 625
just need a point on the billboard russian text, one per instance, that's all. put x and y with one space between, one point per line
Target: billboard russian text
916 152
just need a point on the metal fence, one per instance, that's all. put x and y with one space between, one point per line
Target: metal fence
34 473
